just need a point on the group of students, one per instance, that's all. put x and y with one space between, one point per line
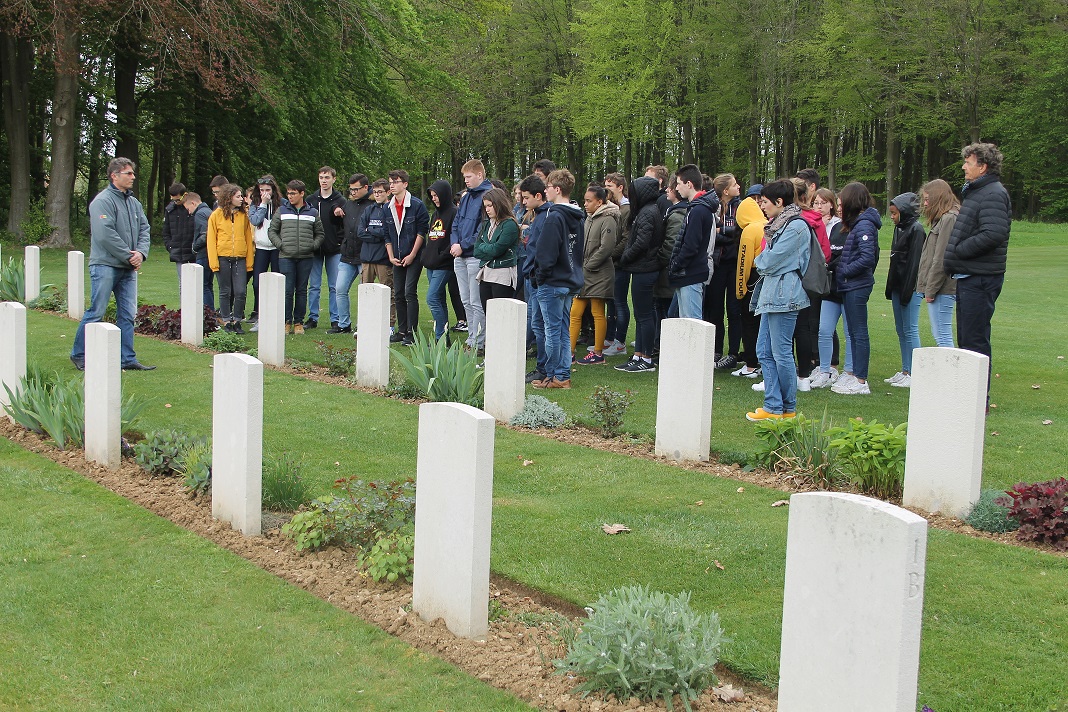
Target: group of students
684 244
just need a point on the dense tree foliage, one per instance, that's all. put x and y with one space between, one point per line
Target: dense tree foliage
882 92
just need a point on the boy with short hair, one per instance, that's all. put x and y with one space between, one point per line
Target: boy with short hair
688 268
372 233
331 208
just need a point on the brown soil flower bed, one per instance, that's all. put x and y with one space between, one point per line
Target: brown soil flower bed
516 655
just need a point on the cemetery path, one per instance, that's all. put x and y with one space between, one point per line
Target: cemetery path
525 630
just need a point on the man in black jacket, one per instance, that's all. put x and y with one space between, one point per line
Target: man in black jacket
979 245
178 231
331 207
349 268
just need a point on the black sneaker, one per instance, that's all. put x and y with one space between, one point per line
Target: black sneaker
407 340
335 329
79 363
311 324
535 375
727 362
460 326
236 328
639 365
228 327
625 366
396 338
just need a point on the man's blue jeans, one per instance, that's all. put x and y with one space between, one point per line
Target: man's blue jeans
209 280
315 285
537 324
103 281
775 349
554 305
691 301
435 299
346 275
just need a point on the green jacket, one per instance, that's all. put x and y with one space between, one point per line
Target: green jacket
499 249
296 233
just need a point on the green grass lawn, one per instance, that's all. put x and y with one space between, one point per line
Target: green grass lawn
106 606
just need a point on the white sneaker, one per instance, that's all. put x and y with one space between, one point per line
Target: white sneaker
820 380
746 372
803 385
834 374
759 387
895 378
844 379
607 345
853 388
616 349
904 382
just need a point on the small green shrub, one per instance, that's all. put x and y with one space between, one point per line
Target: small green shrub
162 451
874 454
646 644
539 412
988 515
607 408
1042 510
799 446
12 281
339 360
50 405
357 516
195 467
284 488
442 372
35 226
51 299
390 558
224 342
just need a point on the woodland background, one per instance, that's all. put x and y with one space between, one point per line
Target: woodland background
884 92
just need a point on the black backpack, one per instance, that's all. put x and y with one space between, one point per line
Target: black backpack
816 279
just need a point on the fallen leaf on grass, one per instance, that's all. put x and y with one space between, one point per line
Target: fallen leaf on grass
1035 386
993 405
741 489
995 433
166 405
527 463
781 503
1047 422
615 528
719 566
699 502
727 693
1060 358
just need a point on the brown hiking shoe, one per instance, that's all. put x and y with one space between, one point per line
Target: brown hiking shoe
557 383
298 328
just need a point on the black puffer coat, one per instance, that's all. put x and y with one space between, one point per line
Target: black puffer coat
646 228
178 233
980 240
905 249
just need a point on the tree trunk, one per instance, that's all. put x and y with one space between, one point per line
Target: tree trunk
893 158
832 161
126 62
96 139
64 128
17 62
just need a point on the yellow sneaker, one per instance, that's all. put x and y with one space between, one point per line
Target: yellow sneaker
789 415
761 414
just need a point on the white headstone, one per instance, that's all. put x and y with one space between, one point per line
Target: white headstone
453 503
103 394
33 272
272 319
192 295
237 442
372 336
75 284
947 418
12 349
684 392
853 605
506 358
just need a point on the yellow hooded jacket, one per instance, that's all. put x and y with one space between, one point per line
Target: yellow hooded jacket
752 221
231 237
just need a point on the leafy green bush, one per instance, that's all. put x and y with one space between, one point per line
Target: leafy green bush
390 558
162 451
646 644
442 372
284 488
51 299
50 405
339 360
195 467
989 515
607 408
539 412
358 515
35 226
12 281
874 454
1042 510
798 446
224 342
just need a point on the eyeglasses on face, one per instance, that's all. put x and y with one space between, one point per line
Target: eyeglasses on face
394 181
128 173
293 192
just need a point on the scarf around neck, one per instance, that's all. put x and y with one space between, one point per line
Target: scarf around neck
788 213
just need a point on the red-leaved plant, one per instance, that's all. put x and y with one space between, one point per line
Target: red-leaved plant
1042 510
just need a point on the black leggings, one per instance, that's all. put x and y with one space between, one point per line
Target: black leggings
492 290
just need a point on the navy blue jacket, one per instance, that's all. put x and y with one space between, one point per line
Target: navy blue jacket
860 255
533 235
558 255
979 243
469 215
689 257
333 226
373 233
415 223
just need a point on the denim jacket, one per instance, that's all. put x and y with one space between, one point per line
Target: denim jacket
780 266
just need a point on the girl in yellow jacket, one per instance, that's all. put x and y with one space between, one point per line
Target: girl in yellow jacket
752 221
231 254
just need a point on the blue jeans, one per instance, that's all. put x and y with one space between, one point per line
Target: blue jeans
297 273
907 321
209 280
622 309
555 308
346 275
829 313
537 324
103 281
691 301
855 302
940 312
315 284
435 299
775 349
